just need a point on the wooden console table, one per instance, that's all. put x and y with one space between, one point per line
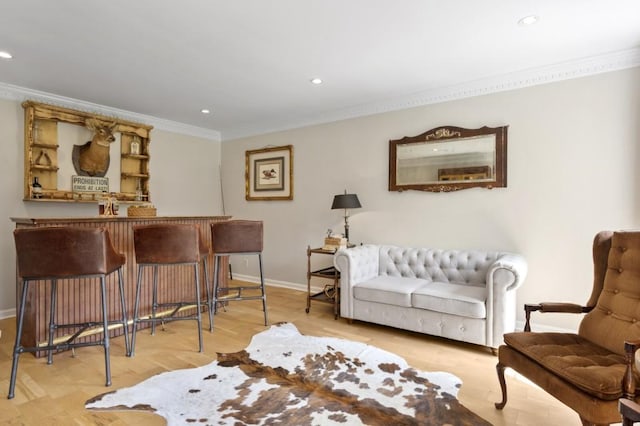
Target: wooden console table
74 295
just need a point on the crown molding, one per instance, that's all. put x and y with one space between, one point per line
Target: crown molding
20 94
516 80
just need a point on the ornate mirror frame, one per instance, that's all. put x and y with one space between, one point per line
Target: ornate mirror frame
449 158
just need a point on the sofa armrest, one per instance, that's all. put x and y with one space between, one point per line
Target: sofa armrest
356 264
504 276
509 271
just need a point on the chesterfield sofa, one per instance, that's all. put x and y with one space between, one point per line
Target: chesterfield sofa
468 296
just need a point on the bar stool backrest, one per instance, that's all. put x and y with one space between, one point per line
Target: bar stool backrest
169 243
237 236
60 252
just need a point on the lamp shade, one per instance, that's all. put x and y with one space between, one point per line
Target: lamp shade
346 201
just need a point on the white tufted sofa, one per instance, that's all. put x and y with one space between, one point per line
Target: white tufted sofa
461 295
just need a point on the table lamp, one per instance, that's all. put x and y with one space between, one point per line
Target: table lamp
346 201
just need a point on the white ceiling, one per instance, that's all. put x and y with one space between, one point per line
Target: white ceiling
250 61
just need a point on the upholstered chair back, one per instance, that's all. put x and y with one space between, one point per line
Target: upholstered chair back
616 315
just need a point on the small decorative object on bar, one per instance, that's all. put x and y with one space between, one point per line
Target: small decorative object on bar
269 173
346 201
36 188
104 205
144 210
449 159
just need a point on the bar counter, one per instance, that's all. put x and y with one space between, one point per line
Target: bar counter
79 299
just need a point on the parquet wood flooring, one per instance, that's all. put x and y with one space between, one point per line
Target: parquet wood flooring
55 394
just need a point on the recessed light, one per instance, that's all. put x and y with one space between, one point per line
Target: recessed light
5 55
316 80
528 20
205 111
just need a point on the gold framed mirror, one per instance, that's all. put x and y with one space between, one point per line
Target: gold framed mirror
449 158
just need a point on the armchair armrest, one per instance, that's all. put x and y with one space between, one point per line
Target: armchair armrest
629 410
545 307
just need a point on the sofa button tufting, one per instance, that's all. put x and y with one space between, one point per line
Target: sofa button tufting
609 312
633 320
620 270
616 291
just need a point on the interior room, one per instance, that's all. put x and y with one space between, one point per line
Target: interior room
225 86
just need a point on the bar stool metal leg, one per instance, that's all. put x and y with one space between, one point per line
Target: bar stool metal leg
264 294
206 286
17 348
52 318
196 269
154 302
105 324
123 306
136 306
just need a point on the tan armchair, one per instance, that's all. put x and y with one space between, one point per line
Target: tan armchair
591 370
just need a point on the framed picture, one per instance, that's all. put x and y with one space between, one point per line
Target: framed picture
269 173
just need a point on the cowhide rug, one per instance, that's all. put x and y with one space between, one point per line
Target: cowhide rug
286 378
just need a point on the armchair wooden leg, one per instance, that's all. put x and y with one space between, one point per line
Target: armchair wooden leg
503 386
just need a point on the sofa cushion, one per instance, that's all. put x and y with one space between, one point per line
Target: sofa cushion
389 290
463 300
591 368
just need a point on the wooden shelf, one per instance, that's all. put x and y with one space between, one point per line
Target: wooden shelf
135 156
45 168
134 175
43 146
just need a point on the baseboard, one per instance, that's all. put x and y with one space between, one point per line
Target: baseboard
7 313
276 283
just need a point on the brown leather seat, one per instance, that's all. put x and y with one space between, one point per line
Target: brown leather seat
588 371
169 245
233 237
45 255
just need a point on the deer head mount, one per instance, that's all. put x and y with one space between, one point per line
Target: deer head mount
92 158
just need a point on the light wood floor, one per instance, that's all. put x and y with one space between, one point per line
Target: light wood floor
55 394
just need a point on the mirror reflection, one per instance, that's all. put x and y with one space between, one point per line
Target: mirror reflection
449 158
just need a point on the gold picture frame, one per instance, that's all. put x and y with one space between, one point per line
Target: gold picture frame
269 173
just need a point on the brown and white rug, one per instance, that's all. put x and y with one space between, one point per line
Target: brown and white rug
286 378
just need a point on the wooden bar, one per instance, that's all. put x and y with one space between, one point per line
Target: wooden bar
79 299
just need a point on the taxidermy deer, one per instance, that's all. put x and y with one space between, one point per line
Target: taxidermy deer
92 158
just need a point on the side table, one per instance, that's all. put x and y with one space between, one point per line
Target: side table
331 291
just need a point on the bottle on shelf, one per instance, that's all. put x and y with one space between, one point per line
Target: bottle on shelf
115 204
134 147
139 191
36 188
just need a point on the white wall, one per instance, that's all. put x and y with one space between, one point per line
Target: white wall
573 155
184 181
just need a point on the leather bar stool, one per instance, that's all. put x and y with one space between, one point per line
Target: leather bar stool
46 255
169 245
232 237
